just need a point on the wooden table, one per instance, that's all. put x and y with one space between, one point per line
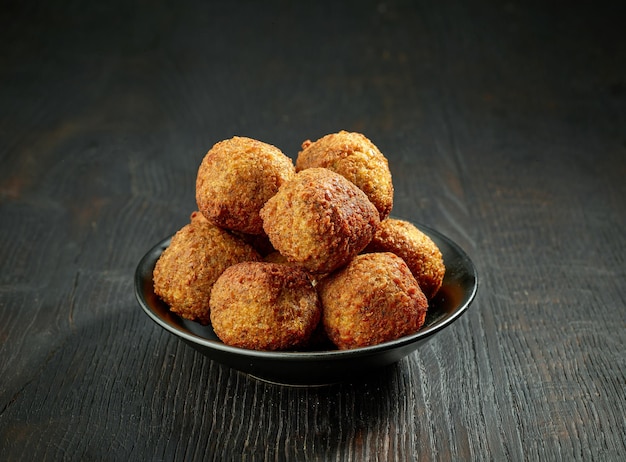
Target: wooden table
505 127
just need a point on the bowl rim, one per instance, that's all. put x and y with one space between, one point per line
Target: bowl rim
148 261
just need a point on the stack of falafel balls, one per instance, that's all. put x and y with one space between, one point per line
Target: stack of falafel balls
292 257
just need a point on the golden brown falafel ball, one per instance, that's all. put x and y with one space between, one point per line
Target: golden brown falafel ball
264 306
235 179
373 299
356 158
420 253
319 220
187 269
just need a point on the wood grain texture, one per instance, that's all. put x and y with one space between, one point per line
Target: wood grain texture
504 128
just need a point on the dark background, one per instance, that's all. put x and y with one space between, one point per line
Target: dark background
505 127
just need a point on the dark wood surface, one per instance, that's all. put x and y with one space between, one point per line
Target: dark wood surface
505 127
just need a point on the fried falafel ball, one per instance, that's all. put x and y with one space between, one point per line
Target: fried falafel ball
187 269
373 299
356 158
264 306
319 220
236 177
420 253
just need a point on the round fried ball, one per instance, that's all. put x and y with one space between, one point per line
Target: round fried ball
187 269
319 220
355 157
420 253
264 306
373 299
235 179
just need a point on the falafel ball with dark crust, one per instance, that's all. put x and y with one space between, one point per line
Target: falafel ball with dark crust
264 306
187 269
236 177
420 253
319 220
355 157
372 300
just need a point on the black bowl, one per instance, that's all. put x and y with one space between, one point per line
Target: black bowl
317 367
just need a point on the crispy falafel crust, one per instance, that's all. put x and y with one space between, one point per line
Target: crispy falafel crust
236 177
373 299
355 157
420 253
264 306
186 270
319 220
